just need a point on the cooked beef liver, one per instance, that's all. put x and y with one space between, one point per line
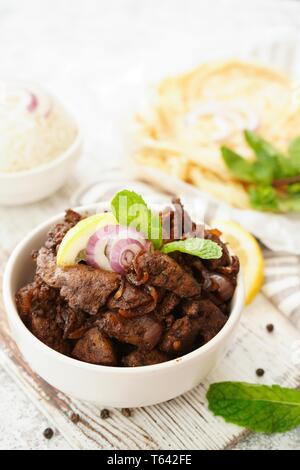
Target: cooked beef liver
82 286
163 307
175 222
58 231
144 332
181 337
190 307
164 272
47 331
36 297
94 347
134 300
169 302
71 321
140 358
211 318
204 319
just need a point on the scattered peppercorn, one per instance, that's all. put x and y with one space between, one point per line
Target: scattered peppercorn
48 433
126 412
260 372
104 413
270 327
75 418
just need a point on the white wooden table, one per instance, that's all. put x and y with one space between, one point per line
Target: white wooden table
95 55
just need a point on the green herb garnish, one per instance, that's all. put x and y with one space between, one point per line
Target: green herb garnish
260 408
205 249
130 209
272 178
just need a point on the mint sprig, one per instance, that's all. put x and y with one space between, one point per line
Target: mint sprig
130 209
270 176
260 408
200 247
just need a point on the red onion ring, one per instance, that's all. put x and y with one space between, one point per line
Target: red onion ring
33 104
113 247
122 253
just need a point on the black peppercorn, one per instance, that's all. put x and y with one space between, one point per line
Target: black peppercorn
48 433
104 413
260 372
126 412
270 327
75 418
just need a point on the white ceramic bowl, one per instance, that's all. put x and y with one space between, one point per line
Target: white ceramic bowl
29 186
108 386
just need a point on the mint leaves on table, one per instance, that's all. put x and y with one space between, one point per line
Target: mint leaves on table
272 179
205 249
260 408
130 209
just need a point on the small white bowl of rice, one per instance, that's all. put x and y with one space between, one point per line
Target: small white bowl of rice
40 143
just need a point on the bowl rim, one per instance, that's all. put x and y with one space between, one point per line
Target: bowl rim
44 167
14 318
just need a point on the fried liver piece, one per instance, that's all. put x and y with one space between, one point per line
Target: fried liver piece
47 331
204 320
37 305
132 298
175 223
169 302
58 231
139 358
180 338
94 347
144 332
36 297
211 318
165 272
82 286
190 307
70 321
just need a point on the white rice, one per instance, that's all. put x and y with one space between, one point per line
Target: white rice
31 138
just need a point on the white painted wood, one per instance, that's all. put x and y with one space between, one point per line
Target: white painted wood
183 423
95 56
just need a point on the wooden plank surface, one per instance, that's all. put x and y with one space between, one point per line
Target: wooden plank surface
183 423
94 89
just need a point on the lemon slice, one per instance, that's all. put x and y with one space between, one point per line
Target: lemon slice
244 245
77 237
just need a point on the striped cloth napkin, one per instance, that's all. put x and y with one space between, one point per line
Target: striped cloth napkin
282 283
282 270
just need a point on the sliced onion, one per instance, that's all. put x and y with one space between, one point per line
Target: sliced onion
122 253
227 116
33 104
39 102
106 248
95 253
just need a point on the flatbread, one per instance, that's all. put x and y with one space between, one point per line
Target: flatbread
190 116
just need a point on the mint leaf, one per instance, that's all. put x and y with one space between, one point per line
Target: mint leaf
279 165
293 188
263 198
262 149
275 164
130 209
239 167
260 408
294 154
289 203
205 249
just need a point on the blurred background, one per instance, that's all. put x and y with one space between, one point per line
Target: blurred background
98 56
